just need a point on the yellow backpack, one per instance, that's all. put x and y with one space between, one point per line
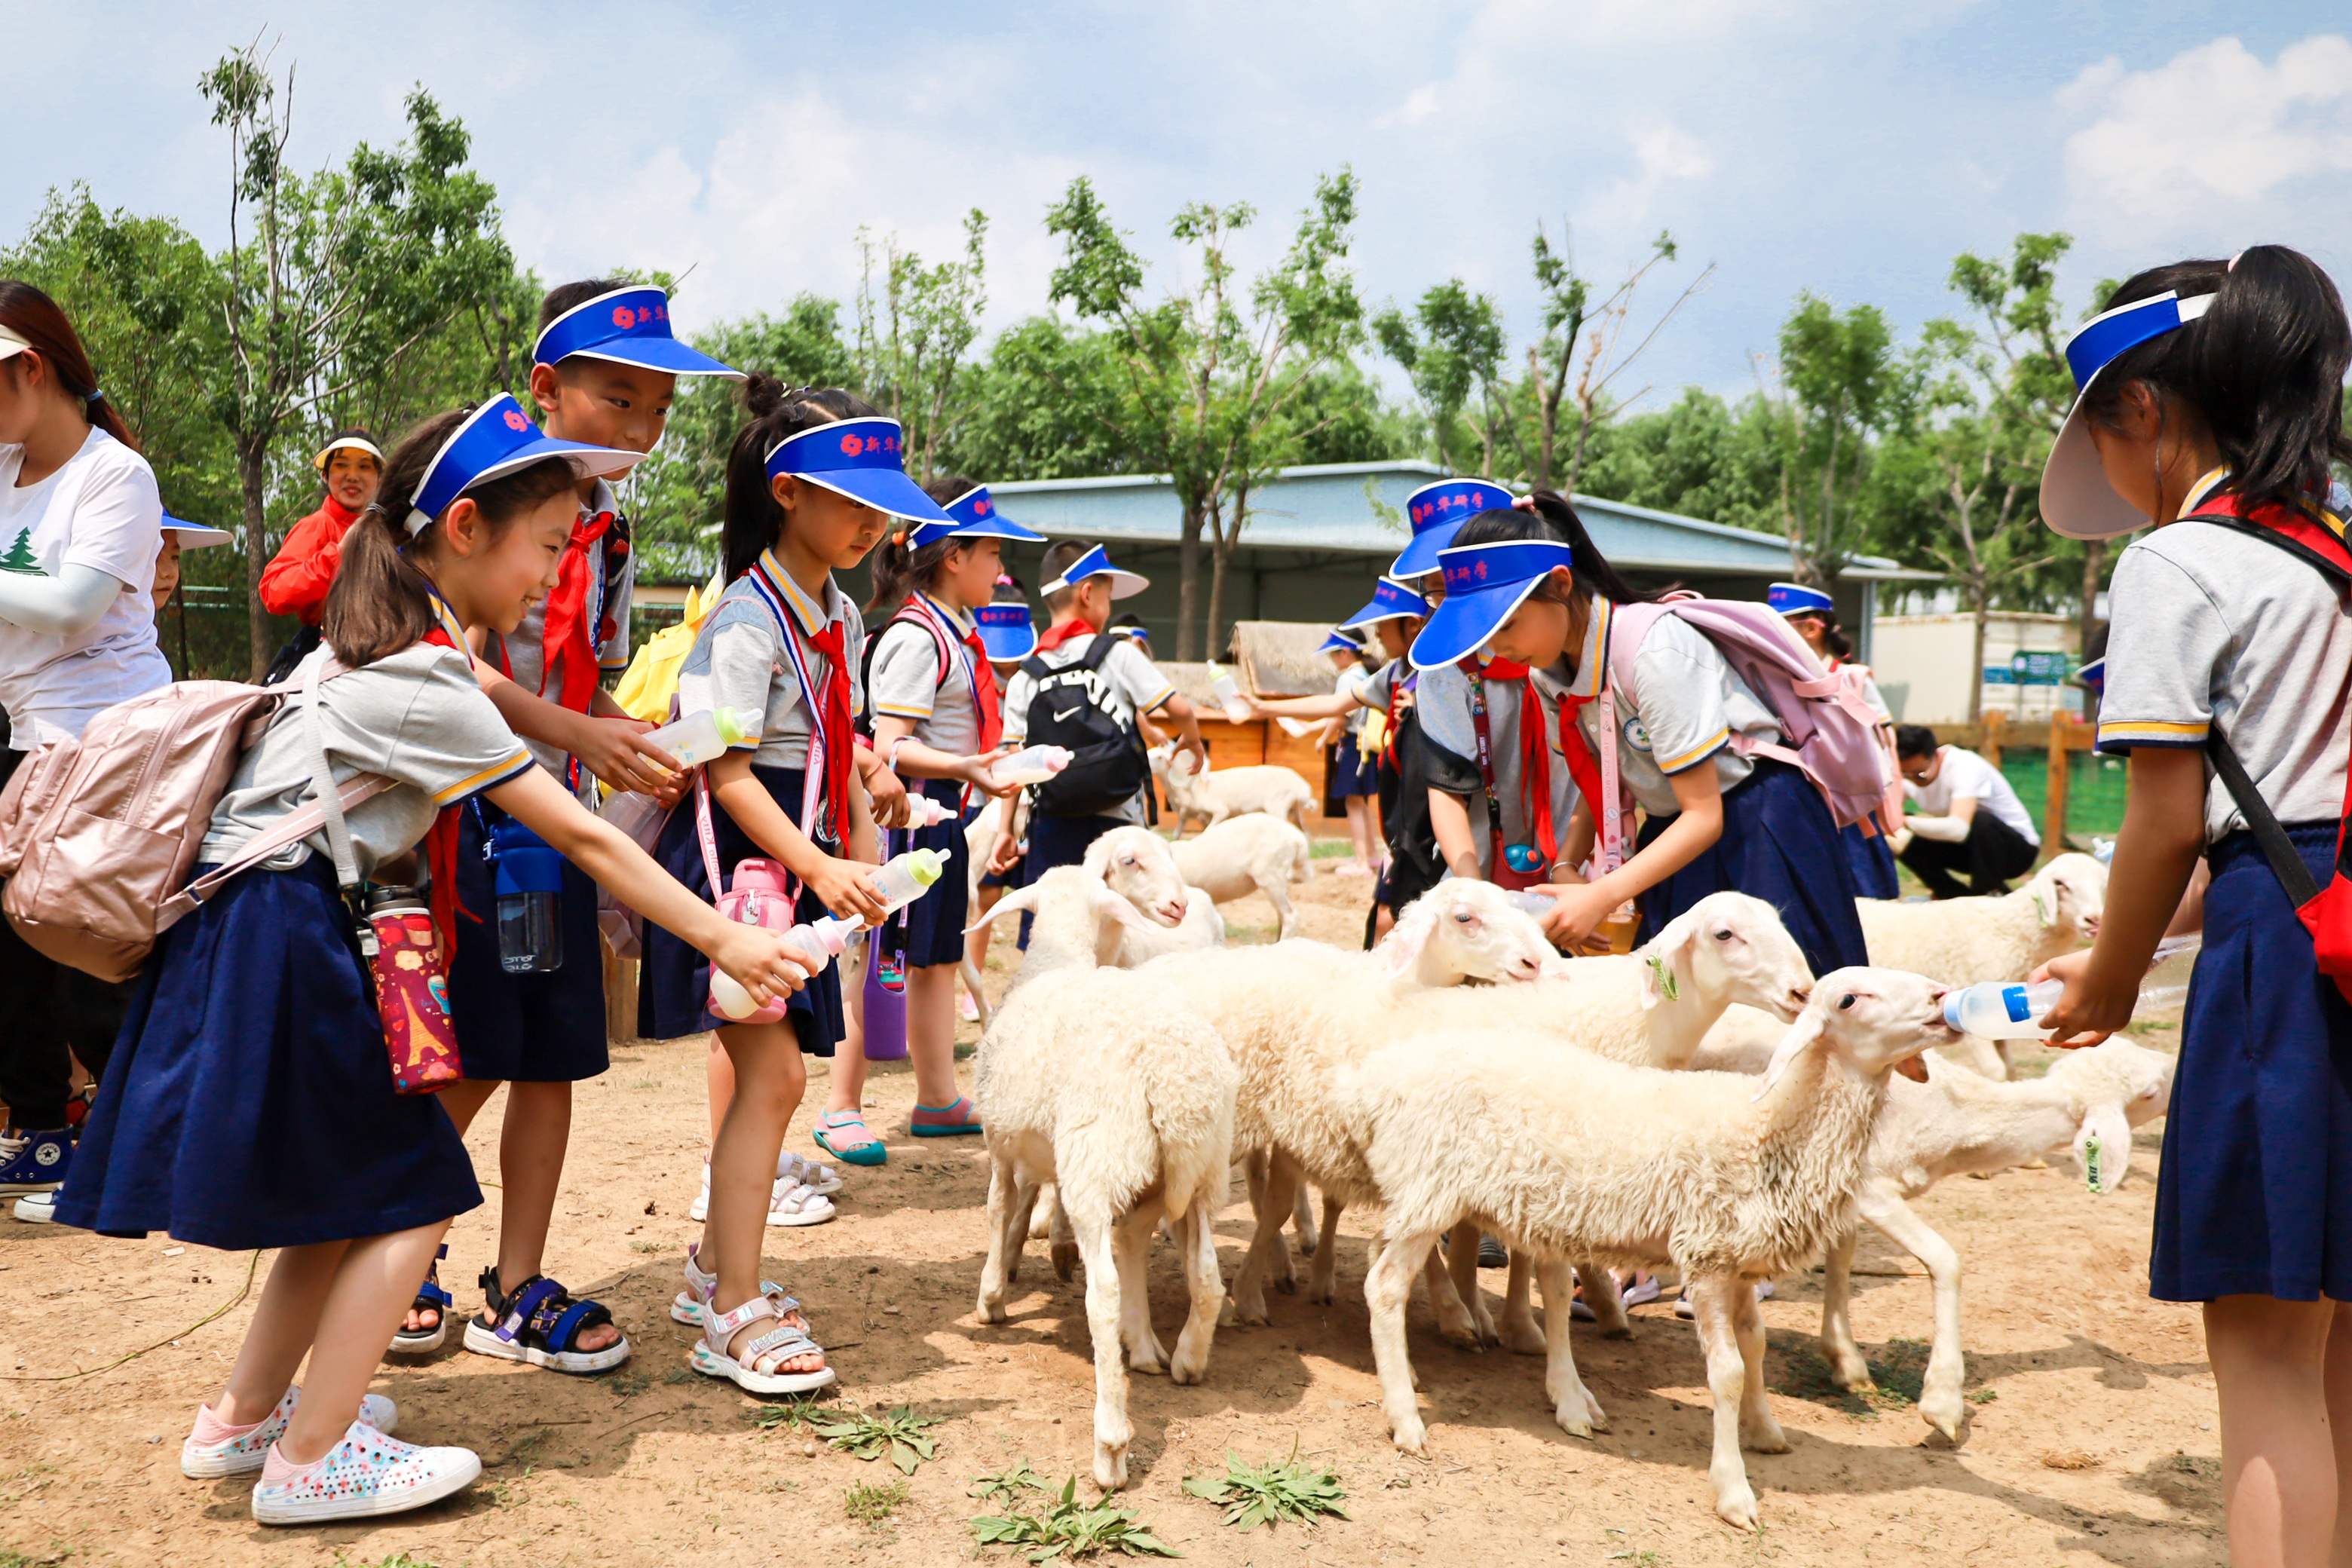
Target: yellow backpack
650 683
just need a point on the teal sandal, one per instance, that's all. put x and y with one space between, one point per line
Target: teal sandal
943 1122
861 1148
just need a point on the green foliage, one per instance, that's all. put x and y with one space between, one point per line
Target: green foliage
1072 1528
781 1416
872 1503
1449 347
1007 1485
902 1435
912 337
1277 1490
1842 385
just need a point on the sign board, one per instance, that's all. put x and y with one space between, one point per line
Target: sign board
2030 669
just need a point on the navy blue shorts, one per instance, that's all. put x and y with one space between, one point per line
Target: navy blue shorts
674 981
533 1028
249 1100
1779 844
1872 859
930 930
2254 1195
1352 774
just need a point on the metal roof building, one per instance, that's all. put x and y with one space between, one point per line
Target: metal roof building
1316 539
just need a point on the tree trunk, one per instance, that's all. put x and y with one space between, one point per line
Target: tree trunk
252 475
1547 420
1188 582
1221 551
2094 559
1576 459
1981 593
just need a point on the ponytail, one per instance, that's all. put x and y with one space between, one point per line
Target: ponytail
380 600
35 317
2263 369
752 520
900 566
1554 518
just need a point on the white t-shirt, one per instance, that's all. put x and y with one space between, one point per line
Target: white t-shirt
1964 775
1131 684
101 510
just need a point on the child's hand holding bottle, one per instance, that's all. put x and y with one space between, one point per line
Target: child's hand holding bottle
845 888
758 960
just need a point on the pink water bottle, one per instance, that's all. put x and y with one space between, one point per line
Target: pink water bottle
760 894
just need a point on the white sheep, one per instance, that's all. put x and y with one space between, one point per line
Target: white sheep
1291 1012
1958 1122
1253 852
1566 1154
979 840
1215 795
1142 868
1962 941
1107 1085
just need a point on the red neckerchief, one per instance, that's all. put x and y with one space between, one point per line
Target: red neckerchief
836 733
569 636
1534 756
1060 632
983 692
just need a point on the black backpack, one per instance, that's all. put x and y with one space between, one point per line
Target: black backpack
1073 708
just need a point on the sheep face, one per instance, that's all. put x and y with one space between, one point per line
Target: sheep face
1871 1019
1168 762
1463 929
1732 946
1137 864
2070 892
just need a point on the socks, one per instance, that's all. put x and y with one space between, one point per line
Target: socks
211 1428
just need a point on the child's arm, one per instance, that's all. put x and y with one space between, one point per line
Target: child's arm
1457 844
610 746
755 958
893 742
1330 705
2156 850
845 887
1697 824
1187 728
889 791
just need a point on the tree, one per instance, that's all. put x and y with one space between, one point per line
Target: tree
1455 347
1841 382
331 279
1206 380
912 340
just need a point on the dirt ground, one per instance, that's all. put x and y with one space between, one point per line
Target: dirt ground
2090 1437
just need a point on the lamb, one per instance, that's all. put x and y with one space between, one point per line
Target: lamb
1230 792
1107 1085
1249 854
1291 1012
1140 866
1959 1122
1729 1180
1963 940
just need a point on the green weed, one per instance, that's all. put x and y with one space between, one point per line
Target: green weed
873 1504
1007 1485
902 1435
1277 1490
1069 1527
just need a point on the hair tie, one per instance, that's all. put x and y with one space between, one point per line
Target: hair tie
899 536
94 395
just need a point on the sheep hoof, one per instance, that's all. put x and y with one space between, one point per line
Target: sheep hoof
1410 1434
1571 1419
1065 1260
1249 1312
1621 1332
1461 1337
1942 1413
1523 1339
1737 1506
1286 1283
1111 1465
1187 1367
1763 1437
991 1311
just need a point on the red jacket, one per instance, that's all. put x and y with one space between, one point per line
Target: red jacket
295 582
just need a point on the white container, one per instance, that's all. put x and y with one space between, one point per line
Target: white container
1229 696
1536 904
927 812
700 738
1996 1010
909 877
815 943
1030 765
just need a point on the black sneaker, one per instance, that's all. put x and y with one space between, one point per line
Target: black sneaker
1491 1254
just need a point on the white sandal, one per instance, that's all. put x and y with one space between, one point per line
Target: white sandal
685 1307
781 1344
792 1171
796 1203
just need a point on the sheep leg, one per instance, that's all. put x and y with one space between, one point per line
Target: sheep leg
1848 1369
1322 1277
1130 1240
1269 1199
972 987
1462 1265
1006 1219
1940 1404
1455 1324
1758 1432
1302 1219
1386 1289
1041 1216
1572 1404
1727 1378
1196 1239
1246 1304
1112 1433
1520 1334
1608 1303
1067 1250
1277 893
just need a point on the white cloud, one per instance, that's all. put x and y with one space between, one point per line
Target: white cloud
2213 134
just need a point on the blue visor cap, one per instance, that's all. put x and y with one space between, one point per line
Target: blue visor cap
1435 512
2093 677
1484 584
1796 599
1391 600
1006 631
627 326
860 459
972 515
2076 499
194 535
1095 562
1340 642
495 439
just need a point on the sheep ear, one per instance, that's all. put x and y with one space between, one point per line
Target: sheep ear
2043 906
1109 908
2108 1125
1802 1032
1401 952
1678 936
1913 1067
1021 901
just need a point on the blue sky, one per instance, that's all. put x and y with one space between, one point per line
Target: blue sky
1852 149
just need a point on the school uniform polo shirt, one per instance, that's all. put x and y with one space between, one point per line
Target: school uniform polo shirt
739 661
1690 703
906 682
1448 724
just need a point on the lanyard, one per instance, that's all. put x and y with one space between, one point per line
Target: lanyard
811 698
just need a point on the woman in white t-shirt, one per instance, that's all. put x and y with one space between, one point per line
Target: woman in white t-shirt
80 526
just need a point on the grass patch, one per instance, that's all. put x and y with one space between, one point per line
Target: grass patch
780 1417
645 1247
1007 1485
1071 1529
1277 1490
628 1384
1899 1371
872 1504
904 1436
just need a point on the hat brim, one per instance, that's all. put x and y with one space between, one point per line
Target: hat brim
195 535
1375 613
585 463
2077 499
1123 585
666 355
885 489
995 527
1461 626
1008 644
1419 557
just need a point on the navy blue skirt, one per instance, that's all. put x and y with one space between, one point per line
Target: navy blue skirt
1351 773
674 981
1872 859
2254 1195
536 1029
249 1100
1779 844
930 930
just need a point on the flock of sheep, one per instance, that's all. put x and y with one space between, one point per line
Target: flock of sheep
1703 1104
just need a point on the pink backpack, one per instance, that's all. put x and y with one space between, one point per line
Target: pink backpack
1828 730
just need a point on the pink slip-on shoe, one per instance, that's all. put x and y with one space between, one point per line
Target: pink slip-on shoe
216 1449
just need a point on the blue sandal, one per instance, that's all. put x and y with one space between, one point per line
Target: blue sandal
866 1150
943 1122
539 1325
430 1298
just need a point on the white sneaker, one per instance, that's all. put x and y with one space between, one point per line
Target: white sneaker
364 1475
38 1208
248 1451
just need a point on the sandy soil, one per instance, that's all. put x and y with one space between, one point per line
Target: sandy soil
2090 1439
